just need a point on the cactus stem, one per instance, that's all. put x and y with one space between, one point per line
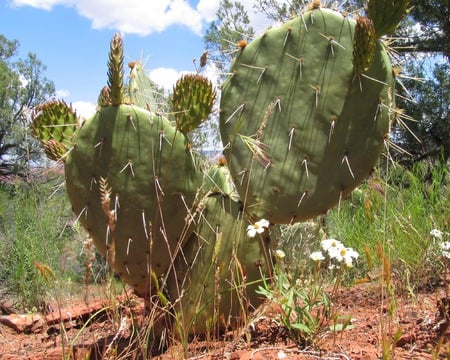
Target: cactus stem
130 119
333 124
287 35
305 162
263 70
129 164
345 159
130 240
145 224
302 197
239 109
291 135
300 61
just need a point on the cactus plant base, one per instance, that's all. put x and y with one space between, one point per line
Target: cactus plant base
215 280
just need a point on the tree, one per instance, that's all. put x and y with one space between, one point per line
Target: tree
432 19
428 135
22 86
225 33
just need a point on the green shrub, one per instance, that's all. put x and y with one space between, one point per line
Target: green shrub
36 241
396 214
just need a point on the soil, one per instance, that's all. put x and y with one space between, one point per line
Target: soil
410 327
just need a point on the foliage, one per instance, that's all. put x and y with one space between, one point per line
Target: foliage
397 214
429 134
36 247
223 35
433 20
22 86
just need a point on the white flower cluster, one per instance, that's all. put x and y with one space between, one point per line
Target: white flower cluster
336 251
257 228
444 245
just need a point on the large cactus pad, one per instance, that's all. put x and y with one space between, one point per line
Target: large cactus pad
131 180
300 126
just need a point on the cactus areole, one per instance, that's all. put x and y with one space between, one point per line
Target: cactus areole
301 127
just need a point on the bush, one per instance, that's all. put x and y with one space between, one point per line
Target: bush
396 215
36 240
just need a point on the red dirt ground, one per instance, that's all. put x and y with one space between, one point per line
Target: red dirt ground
410 327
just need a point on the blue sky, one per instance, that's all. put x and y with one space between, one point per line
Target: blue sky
71 37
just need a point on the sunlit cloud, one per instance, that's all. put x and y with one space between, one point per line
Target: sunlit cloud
135 16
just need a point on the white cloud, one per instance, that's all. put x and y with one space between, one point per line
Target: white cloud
208 9
132 16
62 93
84 109
165 77
146 17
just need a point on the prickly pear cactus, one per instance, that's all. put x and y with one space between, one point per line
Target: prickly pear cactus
303 118
131 179
192 101
221 267
54 126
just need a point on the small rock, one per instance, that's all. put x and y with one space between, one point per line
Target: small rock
23 322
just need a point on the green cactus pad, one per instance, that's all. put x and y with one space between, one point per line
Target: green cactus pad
218 179
54 125
221 267
300 128
141 87
386 14
131 180
192 101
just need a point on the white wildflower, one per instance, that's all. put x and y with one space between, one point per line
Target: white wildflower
445 247
279 254
331 245
257 228
349 255
438 234
317 256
